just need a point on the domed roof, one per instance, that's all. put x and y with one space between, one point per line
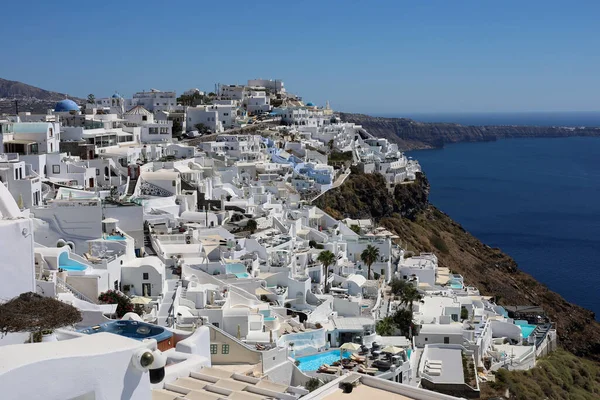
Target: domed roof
66 105
116 96
138 110
309 104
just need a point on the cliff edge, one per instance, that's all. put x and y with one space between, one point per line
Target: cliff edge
424 228
413 135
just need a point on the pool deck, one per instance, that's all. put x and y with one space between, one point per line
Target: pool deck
368 364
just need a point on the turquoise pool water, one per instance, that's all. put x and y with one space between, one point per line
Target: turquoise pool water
313 362
73 267
269 318
526 328
242 274
456 286
115 237
67 264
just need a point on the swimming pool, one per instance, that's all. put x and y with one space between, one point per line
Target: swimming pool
314 361
115 237
269 318
526 328
456 286
64 262
131 329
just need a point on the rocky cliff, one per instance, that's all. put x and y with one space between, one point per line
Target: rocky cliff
424 228
412 135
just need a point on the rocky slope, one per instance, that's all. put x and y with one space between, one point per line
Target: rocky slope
30 98
422 227
412 135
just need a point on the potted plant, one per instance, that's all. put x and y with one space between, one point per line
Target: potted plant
48 336
346 387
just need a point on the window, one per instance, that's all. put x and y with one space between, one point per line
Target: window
145 276
56 169
426 339
97 171
216 324
213 349
446 340
144 117
225 349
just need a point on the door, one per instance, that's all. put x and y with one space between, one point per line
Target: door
146 289
91 182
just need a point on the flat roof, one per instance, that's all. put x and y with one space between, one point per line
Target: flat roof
19 355
352 323
454 328
365 392
451 364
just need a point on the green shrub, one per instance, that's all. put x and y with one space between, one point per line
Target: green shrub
312 384
439 243
464 313
123 302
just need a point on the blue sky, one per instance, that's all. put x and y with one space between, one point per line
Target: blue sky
375 56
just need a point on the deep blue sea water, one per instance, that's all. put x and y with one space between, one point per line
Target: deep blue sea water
536 199
579 118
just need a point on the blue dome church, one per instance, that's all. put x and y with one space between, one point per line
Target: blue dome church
66 105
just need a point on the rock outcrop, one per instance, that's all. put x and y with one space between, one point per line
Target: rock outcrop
413 135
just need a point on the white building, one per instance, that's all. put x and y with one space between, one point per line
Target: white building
151 130
154 100
216 117
273 85
257 103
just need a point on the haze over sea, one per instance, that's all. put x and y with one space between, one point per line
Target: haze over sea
536 199
572 118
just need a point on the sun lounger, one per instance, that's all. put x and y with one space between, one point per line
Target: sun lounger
433 372
356 358
364 370
326 368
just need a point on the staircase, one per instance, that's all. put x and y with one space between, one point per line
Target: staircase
131 186
66 288
148 245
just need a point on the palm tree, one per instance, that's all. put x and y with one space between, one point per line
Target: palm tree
326 258
369 256
409 295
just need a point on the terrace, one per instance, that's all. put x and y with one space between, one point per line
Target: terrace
378 361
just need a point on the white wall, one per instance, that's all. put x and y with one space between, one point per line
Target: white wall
101 368
17 269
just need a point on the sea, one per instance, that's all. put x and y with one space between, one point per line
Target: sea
573 119
536 199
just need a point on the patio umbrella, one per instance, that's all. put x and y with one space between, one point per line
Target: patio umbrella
392 349
349 346
141 300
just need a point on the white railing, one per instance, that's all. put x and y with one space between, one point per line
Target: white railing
64 286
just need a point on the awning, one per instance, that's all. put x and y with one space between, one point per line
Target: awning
260 291
20 141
